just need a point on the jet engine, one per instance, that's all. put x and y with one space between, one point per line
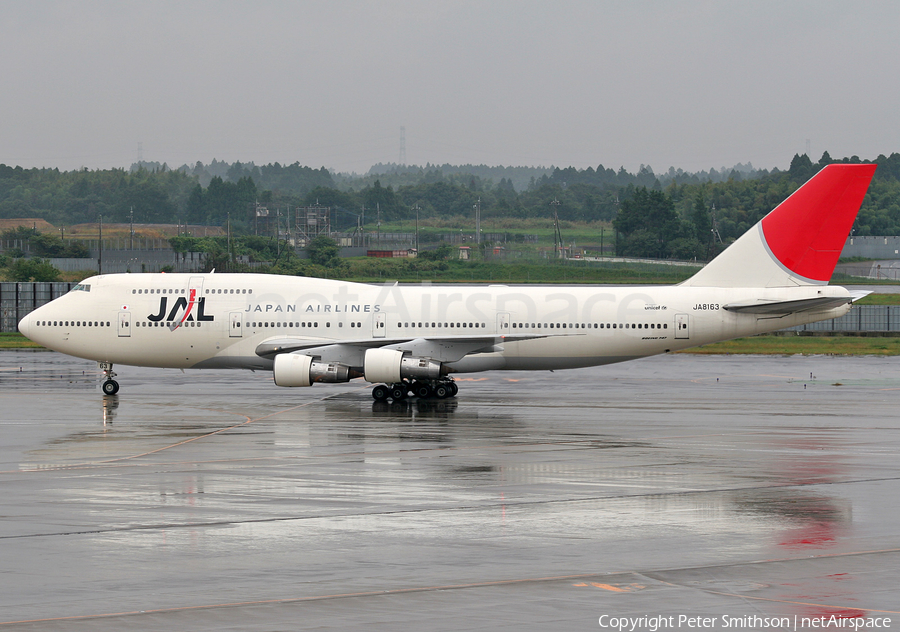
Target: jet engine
301 370
391 366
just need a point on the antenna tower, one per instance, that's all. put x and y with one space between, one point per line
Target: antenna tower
402 145
312 221
560 249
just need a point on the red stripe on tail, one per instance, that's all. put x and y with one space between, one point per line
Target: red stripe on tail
807 231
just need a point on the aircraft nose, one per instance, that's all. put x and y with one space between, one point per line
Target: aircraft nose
25 326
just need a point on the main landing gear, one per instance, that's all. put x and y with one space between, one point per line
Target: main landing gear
424 389
110 386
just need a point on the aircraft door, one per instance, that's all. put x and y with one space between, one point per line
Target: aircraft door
681 326
124 324
235 329
379 325
502 322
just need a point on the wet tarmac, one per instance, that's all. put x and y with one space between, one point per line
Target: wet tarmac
675 486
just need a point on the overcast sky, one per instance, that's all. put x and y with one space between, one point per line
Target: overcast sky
690 84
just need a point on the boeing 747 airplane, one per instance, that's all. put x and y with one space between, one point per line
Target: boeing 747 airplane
414 339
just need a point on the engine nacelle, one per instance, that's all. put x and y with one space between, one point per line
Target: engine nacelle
390 366
420 368
300 370
383 365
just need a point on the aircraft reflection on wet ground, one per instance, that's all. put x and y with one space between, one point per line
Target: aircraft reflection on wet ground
713 486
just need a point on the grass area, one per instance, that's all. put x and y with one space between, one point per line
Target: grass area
879 299
430 230
845 279
17 341
804 345
369 270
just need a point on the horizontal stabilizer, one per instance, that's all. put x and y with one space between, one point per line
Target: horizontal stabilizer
763 306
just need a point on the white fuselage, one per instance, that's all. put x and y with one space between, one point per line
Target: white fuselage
220 320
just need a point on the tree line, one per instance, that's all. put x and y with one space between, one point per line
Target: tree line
672 214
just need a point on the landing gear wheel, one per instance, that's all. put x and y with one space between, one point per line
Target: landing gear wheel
454 389
110 386
441 391
422 390
381 393
398 392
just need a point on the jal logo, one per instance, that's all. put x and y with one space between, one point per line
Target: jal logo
181 303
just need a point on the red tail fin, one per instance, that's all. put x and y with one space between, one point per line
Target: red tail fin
798 243
807 231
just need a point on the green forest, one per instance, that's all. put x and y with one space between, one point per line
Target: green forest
667 215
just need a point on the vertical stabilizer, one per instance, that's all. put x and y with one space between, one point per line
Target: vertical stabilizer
799 242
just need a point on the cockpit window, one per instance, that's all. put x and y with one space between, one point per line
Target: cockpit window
82 287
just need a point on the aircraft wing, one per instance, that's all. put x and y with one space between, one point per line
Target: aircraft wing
441 348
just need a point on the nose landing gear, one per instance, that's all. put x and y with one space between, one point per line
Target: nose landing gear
423 389
110 386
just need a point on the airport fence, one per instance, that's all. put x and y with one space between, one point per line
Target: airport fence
19 299
860 318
